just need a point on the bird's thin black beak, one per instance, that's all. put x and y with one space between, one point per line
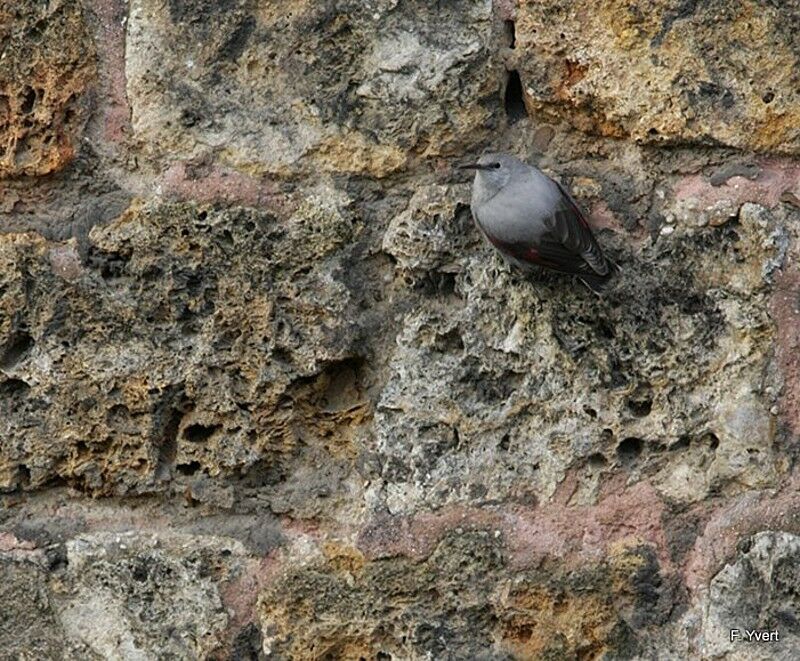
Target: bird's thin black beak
472 166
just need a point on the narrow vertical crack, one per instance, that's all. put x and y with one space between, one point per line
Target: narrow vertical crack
513 101
511 33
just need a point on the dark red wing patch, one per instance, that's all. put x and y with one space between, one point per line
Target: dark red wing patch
535 256
560 260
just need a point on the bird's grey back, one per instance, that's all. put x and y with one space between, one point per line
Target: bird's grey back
515 212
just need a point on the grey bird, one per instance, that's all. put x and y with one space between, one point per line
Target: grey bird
533 222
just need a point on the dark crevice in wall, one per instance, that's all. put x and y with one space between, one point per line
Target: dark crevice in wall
23 476
168 445
511 34
629 449
188 469
16 349
11 387
200 433
513 102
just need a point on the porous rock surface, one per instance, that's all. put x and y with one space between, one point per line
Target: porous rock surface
265 392
47 64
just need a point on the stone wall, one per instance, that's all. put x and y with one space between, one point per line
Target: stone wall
265 393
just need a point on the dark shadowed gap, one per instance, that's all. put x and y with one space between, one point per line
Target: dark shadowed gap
513 102
511 34
16 349
199 433
168 444
23 476
629 449
11 387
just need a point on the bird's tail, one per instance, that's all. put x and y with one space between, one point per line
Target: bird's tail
598 283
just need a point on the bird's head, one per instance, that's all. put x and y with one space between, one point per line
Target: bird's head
493 170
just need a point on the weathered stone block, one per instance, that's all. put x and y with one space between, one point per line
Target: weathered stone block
46 65
284 90
666 71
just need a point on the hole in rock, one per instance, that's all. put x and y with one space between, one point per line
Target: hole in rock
511 33
629 449
588 410
449 342
56 558
190 118
117 412
140 572
152 273
23 476
712 440
769 97
198 433
168 443
13 387
56 482
341 382
110 264
681 444
188 469
604 329
505 443
436 284
28 100
692 304
513 102
597 460
16 348
640 407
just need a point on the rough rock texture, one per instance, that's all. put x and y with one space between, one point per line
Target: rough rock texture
186 372
461 603
759 587
265 392
700 70
343 87
47 62
121 596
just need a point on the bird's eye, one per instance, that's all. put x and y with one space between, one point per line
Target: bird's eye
496 166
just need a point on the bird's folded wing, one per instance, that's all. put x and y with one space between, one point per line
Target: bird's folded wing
569 233
553 254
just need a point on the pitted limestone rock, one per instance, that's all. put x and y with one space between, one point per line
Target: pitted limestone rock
433 232
514 381
346 87
755 592
463 601
175 353
47 65
691 72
